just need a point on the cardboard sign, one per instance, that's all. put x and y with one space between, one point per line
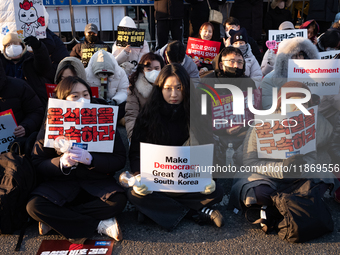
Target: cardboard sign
130 36
51 87
204 50
321 76
280 137
90 124
7 126
176 169
280 35
29 18
87 51
328 54
223 115
64 247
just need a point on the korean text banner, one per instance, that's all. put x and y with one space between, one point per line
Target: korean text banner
29 18
280 136
176 169
87 51
280 35
223 117
7 126
93 125
321 76
203 50
329 54
130 36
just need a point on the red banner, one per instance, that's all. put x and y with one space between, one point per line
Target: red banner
204 50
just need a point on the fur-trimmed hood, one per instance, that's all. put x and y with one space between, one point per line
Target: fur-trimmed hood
143 86
275 3
287 49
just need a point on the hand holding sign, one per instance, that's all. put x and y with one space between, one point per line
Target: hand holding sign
271 46
210 188
19 131
80 155
141 190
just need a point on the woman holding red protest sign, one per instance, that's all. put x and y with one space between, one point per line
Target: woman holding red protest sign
141 84
78 194
164 120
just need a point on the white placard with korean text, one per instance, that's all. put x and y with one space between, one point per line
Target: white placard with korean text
177 169
328 54
91 125
280 35
282 136
321 76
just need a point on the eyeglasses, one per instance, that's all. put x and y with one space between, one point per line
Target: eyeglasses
233 61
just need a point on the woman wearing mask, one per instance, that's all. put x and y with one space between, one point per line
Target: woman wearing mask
165 120
239 39
141 84
78 194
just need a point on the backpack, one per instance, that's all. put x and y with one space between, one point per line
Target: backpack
305 215
17 180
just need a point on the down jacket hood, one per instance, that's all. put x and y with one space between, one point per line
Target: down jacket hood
275 3
287 49
76 63
127 22
102 61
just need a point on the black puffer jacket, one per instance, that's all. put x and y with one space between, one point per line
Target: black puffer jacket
15 94
34 68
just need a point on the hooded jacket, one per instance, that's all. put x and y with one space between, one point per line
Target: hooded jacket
136 53
76 63
17 95
118 83
278 76
187 63
253 69
135 101
307 23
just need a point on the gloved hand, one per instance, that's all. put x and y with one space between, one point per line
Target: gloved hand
80 155
293 166
33 42
112 102
210 188
141 190
66 161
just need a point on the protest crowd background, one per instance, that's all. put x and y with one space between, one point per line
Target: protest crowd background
172 86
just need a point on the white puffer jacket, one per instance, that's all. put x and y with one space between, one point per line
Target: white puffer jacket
118 83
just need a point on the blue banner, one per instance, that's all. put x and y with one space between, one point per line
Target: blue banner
97 2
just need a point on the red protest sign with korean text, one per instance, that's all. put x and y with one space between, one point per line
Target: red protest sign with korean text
91 124
203 50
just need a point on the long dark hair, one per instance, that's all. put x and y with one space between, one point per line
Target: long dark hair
149 126
65 87
145 61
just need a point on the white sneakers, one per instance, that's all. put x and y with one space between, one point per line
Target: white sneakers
111 228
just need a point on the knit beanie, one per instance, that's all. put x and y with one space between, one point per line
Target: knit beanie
292 84
240 35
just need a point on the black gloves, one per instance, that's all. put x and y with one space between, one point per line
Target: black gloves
294 166
33 42
112 102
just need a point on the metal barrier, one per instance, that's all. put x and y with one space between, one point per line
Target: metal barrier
104 3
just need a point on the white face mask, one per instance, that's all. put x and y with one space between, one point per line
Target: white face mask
83 100
152 76
13 50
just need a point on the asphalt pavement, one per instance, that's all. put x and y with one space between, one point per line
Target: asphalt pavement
237 236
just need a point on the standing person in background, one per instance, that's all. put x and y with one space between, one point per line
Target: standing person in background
312 29
323 12
91 38
169 17
200 14
277 14
249 13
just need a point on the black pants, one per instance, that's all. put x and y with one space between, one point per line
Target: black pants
163 28
78 219
168 209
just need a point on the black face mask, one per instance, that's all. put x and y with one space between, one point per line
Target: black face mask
91 38
232 72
